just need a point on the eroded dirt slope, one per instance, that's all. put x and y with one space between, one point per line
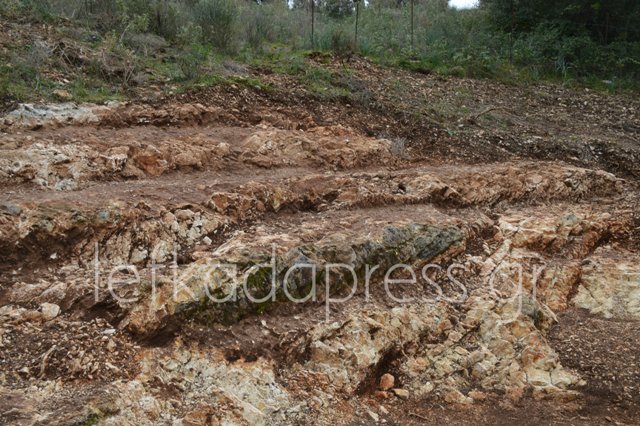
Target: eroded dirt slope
175 189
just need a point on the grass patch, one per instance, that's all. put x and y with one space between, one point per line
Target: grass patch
95 91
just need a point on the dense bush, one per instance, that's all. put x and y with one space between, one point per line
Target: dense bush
217 19
191 62
534 38
602 21
38 9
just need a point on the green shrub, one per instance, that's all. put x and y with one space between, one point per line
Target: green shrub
258 28
191 62
166 19
189 34
10 8
336 38
217 19
36 9
461 43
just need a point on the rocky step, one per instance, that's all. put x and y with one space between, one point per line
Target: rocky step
113 114
553 239
455 351
235 281
72 158
128 230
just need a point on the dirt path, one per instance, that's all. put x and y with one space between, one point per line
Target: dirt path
488 187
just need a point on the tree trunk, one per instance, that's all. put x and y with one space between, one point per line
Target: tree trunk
313 23
513 24
355 37
412 45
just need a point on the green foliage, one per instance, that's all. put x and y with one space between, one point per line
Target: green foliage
189 34
587 41
217 19
602 21
571 39
20 74
39 10
338 8
166 19
337 39
94 90
191 63
259 29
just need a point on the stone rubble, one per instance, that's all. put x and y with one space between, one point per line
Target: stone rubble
77 351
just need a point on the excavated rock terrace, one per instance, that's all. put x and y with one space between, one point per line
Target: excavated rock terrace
518 301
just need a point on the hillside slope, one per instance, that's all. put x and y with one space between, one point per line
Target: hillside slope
345 163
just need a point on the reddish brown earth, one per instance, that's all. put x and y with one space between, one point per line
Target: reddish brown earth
408 169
